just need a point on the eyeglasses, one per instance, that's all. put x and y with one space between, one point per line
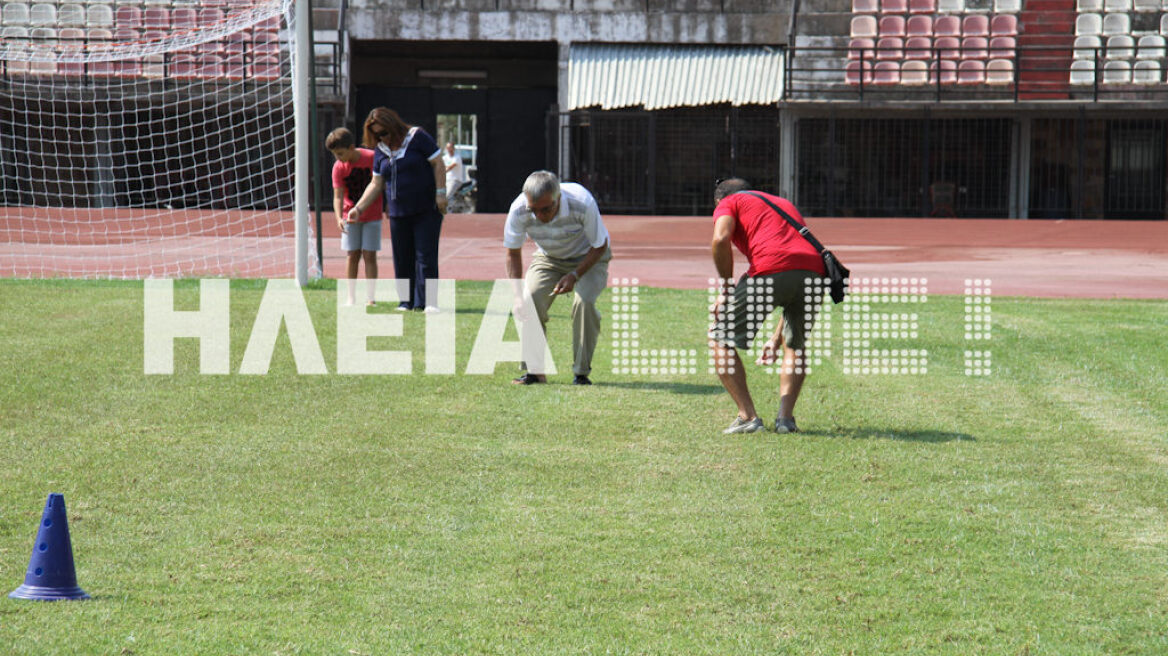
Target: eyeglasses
545 209
378 133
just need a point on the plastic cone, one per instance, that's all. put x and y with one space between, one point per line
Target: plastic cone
50 575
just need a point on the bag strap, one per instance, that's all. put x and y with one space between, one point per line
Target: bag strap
802 229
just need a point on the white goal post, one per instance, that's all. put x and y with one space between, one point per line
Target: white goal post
155 138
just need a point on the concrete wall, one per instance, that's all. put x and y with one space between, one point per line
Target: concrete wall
761 22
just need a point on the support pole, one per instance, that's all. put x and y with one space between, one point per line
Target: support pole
302 73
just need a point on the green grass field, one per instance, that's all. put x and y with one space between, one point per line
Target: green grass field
1021 513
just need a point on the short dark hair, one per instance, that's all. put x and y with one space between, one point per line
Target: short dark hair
340 138
729 186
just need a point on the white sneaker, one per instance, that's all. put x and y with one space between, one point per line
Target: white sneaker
432 309
741 425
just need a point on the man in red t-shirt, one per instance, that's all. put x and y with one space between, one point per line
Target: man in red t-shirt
781 261
360 239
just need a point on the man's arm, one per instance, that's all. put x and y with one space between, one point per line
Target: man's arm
721 250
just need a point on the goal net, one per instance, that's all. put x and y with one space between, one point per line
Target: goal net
147 139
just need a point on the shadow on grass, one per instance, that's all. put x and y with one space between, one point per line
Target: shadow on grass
676 388
893 434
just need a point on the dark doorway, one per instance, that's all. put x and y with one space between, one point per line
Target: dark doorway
1135 170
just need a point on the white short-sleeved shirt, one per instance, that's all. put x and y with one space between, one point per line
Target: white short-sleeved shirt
576 228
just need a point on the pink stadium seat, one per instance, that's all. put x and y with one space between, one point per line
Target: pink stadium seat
858 70
128 16
892 26
999 71
182 65
1002 47
974 47
861 48
234 67
975 25
919 26
156 18
183 19
265 43
266 68
914 72
890 48
886 72
918 47
893 6
948 47
921 6
864 27
1004 25
948 71
947 26
269 23
864 6
212 48
71 39
971 71
209 66
210 16
239 42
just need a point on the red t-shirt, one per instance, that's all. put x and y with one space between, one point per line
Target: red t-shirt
769 243
353 178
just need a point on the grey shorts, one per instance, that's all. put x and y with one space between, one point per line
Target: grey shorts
756 297
362 236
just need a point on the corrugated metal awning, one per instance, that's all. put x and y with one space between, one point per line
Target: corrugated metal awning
660 76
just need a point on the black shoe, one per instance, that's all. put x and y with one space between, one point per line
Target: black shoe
527 379
581 380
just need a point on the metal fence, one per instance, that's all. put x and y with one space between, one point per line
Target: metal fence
664 162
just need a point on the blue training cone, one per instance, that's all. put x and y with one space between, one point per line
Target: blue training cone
50 575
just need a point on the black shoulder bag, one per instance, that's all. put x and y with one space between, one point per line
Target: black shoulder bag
837 273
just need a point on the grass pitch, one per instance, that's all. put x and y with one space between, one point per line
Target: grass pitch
1021 513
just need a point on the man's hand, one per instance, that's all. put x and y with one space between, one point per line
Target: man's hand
565 285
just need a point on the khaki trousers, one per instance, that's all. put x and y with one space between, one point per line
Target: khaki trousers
542 276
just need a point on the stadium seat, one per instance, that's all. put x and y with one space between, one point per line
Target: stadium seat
1146 72
1117 72
42 14
922 6
240 42
1003 47
893 6
43 35
269 23
919 26
1083 6
71 15
183 19
864 27
948 71
974 47
99 16
1151 46
154 66
1164 25
975 25
209 66
1146 5
1087 47
210 16
156 18
866 6
234 67
70 39
215 3
1117 5
211 48
890 47
999 71
951 6
268 44
947 26
157 2
886 72
1082 72
1114 24
182 65
128 16
1089 24
892 26
98 34
15 14
857 48
1004 25
1004 6
971 71
918 47
948 47
914 72
268 68
101 68
1120 46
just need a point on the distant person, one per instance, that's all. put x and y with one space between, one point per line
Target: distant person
407 168
456 175
780 262
572 255
360 239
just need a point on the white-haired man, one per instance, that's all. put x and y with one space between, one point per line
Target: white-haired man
572 255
